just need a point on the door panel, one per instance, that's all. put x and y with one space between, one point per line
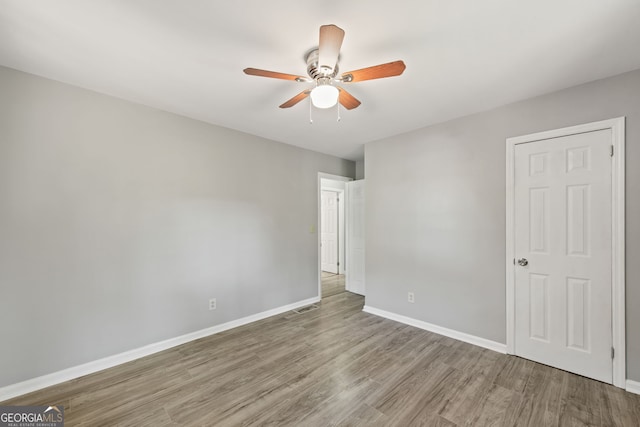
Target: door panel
563 229
329 230
578 318
539 307
355 237
578 219
539 223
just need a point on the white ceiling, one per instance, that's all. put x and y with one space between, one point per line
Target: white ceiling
187 57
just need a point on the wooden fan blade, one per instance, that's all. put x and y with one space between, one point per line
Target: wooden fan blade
293 101
389 69
273 74
347 100
331 38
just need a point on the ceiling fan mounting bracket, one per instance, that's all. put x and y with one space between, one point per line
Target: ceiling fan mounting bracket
346 78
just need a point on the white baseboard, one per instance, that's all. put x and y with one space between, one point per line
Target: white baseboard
28 386
460 336
633 386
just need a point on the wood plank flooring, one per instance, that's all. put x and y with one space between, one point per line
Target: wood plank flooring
332 284
335 366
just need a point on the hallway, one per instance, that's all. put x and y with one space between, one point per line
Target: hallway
332 284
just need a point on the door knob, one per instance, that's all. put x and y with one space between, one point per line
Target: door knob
523 262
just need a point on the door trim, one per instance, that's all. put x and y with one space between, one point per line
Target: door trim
617 127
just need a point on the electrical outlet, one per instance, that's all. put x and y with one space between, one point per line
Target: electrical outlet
212 304
411 297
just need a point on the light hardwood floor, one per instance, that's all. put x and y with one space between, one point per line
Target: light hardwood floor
332 284
335 365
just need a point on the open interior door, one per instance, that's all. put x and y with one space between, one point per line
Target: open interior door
355 237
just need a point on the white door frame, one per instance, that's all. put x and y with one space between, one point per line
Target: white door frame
617 127
322 175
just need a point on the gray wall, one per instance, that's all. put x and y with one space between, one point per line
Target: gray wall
118 222
436 210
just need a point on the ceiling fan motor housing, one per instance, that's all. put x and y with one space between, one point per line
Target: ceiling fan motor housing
317 71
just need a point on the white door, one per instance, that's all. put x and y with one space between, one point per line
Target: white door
355 237
563 238
329 230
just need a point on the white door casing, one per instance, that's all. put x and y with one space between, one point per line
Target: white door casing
329 231
355 237
565 307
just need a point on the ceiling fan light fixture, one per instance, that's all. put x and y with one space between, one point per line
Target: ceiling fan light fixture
322 68
324 96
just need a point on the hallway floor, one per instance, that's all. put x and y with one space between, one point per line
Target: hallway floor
332 284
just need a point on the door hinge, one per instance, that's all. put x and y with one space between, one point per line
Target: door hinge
514 261
611 151
613 352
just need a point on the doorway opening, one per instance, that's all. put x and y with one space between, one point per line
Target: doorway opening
331 234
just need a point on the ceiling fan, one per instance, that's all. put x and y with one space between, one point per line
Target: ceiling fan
322 68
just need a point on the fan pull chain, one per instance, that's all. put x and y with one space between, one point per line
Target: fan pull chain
310 118
338 112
